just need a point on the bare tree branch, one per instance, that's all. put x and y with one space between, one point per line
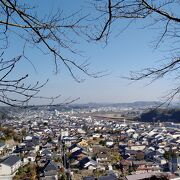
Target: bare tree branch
160 15
53 34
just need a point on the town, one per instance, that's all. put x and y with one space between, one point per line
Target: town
90 90
43 144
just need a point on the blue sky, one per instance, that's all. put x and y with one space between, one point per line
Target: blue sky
131 50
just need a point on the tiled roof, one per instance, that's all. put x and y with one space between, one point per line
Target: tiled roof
50 166
108 177
11 160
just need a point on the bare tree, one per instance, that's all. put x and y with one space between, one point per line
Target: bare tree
51 34
55 34
162 14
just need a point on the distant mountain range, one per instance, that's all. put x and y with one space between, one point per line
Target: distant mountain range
136 104
164 114
132 104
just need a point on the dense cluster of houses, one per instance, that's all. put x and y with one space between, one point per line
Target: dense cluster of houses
82 147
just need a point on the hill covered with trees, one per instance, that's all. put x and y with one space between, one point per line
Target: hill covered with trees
162 115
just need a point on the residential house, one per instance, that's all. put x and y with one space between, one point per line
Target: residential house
110 176
143 166
49 171
125 165
10 165
83 143
87 163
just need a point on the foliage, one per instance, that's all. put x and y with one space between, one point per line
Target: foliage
168 155
3 115
62 177
9 133
98 172
26 172
163 115
102 142
23 132
115 157
94 157
58 159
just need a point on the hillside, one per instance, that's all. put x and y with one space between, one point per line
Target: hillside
3 112
163 115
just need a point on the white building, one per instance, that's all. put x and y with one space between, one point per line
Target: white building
10 165
64 133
